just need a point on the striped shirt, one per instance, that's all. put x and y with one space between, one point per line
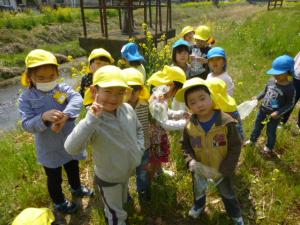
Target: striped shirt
143 114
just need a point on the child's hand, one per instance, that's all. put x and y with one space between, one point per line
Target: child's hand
52 115
97 107
187 115
202 60
57 126
254 98
274 115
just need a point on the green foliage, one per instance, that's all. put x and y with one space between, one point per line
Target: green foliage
47 16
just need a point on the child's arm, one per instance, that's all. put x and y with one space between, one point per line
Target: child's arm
234 145
81 134
74 105
289 103
32 122
187 148
262 94
140 135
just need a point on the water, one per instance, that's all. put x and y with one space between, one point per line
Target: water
9 115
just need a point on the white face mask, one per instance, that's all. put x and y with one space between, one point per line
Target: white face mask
45 87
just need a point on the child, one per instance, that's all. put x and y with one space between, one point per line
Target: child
199 52
171 78
99 57
49 110
187 34
211 146
278 97
180 56
116 135
139 101
225 102
218 64
130 52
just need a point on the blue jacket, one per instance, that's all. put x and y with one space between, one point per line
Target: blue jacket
50 145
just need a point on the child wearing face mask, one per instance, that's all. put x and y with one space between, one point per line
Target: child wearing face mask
48 110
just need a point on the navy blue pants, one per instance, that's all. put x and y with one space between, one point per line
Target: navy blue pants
271 129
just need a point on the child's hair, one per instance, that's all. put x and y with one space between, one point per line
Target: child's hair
135 63
136 88
195 89
101 58
178 85
179 49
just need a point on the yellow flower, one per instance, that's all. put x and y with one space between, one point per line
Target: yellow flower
70 58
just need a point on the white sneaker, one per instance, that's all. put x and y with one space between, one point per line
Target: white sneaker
238 221
267 152
195 212
248 142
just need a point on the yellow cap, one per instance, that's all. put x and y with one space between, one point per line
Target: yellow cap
166 76
187 85
135 77
99 52
186 30
202 33
35 58
34 216
96 53
223 100
88 99
109 76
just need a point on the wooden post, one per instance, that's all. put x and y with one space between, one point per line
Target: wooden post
83 18
101 17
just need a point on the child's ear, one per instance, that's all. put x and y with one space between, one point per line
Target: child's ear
93 90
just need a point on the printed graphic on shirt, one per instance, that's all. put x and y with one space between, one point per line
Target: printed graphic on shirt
219 140
196 66
196 142
271 98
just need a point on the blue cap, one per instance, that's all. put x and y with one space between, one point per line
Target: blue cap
181 42
282 64
216 52
130 52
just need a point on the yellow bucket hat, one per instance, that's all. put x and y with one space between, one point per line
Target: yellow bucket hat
202 33
223 100
35 58
106 76
167 75
186 30
109 76
96 53
34 216
135 77
187 85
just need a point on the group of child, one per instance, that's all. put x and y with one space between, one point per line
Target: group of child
125 137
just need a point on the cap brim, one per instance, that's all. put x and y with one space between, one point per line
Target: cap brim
226 104
42 64
180 94
112 84
135 58
276 72
216 55
199 38
133 83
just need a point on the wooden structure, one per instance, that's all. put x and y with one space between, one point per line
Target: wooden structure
113 40
274 3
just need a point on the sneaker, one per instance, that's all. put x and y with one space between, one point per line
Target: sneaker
267 152
248 142
238 221
279 127
83 191
195 211
66 207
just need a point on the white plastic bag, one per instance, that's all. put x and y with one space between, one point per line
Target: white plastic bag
205 171
246 108
158 106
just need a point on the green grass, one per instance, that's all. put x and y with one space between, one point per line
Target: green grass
268 190
47 16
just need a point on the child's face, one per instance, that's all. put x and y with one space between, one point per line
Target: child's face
201 43
189 36
135 93
182 57
44 74
111 97
96 64
200 103
217 65
281 78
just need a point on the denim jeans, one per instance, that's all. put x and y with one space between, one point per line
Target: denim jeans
271 129
142 175
224 186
